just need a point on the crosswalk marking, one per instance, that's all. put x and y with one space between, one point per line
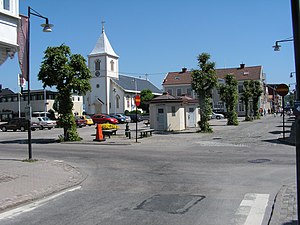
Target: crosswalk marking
252 209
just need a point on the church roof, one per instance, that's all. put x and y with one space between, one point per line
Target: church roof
128 84
103 46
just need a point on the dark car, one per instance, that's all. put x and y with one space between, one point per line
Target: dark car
15 124
121 118
102 118
135 118
80 121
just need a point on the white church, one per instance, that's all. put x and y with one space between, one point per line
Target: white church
111 92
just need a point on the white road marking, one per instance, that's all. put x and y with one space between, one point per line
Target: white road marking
29 207
252 209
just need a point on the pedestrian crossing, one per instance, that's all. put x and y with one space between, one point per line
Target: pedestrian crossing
251 210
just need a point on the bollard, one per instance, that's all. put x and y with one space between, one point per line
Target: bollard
127 131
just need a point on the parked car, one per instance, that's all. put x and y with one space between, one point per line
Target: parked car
35 123
45 122
135 118
120 117
80 121
88 119
15 124
102 118
217 116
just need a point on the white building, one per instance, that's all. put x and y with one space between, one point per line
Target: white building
9 20
111 92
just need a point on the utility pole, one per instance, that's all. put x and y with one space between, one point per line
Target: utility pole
295 7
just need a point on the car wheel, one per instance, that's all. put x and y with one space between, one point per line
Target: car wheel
218 117
33 129
22 129
4 129
41 128
49 128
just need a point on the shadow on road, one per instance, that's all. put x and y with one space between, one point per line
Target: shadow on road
33 141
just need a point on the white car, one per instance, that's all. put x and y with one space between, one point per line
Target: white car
45 122
217 116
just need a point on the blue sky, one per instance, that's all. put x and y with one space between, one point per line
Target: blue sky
159 36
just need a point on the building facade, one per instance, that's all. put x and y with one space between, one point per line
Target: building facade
178 83
9 20
41 101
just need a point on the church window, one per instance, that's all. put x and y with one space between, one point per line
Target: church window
112 65
118 101
97 64
97 85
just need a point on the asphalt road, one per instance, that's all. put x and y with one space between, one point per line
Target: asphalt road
228 177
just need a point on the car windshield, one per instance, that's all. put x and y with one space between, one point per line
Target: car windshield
88 117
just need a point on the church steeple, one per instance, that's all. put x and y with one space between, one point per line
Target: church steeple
103 46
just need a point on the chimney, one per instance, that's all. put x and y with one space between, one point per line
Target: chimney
242 66
183 70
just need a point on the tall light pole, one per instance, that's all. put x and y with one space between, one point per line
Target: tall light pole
46 28
295 7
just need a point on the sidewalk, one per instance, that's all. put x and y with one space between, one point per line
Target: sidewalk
285 204
23 182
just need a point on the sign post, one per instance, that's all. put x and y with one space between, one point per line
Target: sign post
137 103
282 90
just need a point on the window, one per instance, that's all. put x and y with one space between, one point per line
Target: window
160 110
118 101
6 4
179 92
240 88
78 99
189 92
97 85
173 110
170 91
97 64
112 65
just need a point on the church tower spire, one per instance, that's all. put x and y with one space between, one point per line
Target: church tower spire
103 22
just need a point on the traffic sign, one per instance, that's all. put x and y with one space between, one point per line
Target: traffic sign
282 89
297 108
137 100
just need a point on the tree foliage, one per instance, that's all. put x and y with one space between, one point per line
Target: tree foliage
69 74
256 90
146 97
246 97
229 95
203 82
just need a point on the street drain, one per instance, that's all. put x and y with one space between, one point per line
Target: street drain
173 204
259 160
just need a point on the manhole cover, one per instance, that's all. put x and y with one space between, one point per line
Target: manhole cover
259 160
173 204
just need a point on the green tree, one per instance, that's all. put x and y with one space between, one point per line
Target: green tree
256 90
246 96
203 82
229 95
146 97
69 74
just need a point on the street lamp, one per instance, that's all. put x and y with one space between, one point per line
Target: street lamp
46 28
277 46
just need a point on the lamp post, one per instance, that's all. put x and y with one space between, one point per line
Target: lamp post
295 8
46 28
277 46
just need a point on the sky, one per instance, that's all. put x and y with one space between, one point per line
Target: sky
159 36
